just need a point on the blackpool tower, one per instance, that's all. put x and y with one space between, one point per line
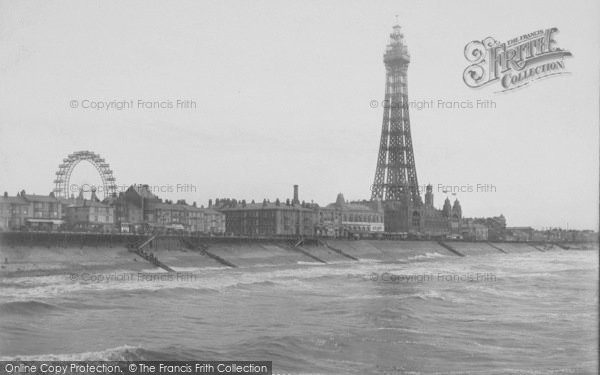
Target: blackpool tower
396 176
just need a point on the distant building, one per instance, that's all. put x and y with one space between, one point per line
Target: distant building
519 233
435 223
565 235
29 210
289 218
582 236
328 222
496 227
472 231
37 212
295 218
139 210
342 219
183 217
46 211
130 206
213 221
166 215
268 219
13 212
64 206
91 216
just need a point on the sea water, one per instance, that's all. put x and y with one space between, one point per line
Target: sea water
528 313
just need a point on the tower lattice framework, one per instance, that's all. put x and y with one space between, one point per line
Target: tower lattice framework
396 174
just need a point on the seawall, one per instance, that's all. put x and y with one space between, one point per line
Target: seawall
41 253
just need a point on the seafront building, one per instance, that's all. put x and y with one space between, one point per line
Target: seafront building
139 210
472 231
90 214
496 226
182 217
346 219
37 211
267 218
294 218
136 210
13 212
264 219
519 233
435 223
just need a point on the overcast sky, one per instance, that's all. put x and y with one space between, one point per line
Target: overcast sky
283 92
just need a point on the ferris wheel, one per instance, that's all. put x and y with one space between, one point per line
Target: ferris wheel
62 186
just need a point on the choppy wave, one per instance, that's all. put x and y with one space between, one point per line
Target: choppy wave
22 284
121 353
427 256
310 263
27 307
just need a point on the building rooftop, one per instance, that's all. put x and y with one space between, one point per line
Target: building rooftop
144 192
13 200
89 203
166 206
39 198
350 207
341 204
264 206
178 207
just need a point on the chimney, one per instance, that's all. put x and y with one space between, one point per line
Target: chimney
296 195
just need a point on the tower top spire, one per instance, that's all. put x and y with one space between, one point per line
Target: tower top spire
396 51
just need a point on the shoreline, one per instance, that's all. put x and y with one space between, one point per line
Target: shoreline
36 260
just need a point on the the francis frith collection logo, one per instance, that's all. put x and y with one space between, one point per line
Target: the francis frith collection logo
515 63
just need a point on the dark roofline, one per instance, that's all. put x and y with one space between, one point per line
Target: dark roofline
13 200
37 197
261 206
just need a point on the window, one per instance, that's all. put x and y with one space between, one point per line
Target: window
416 219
